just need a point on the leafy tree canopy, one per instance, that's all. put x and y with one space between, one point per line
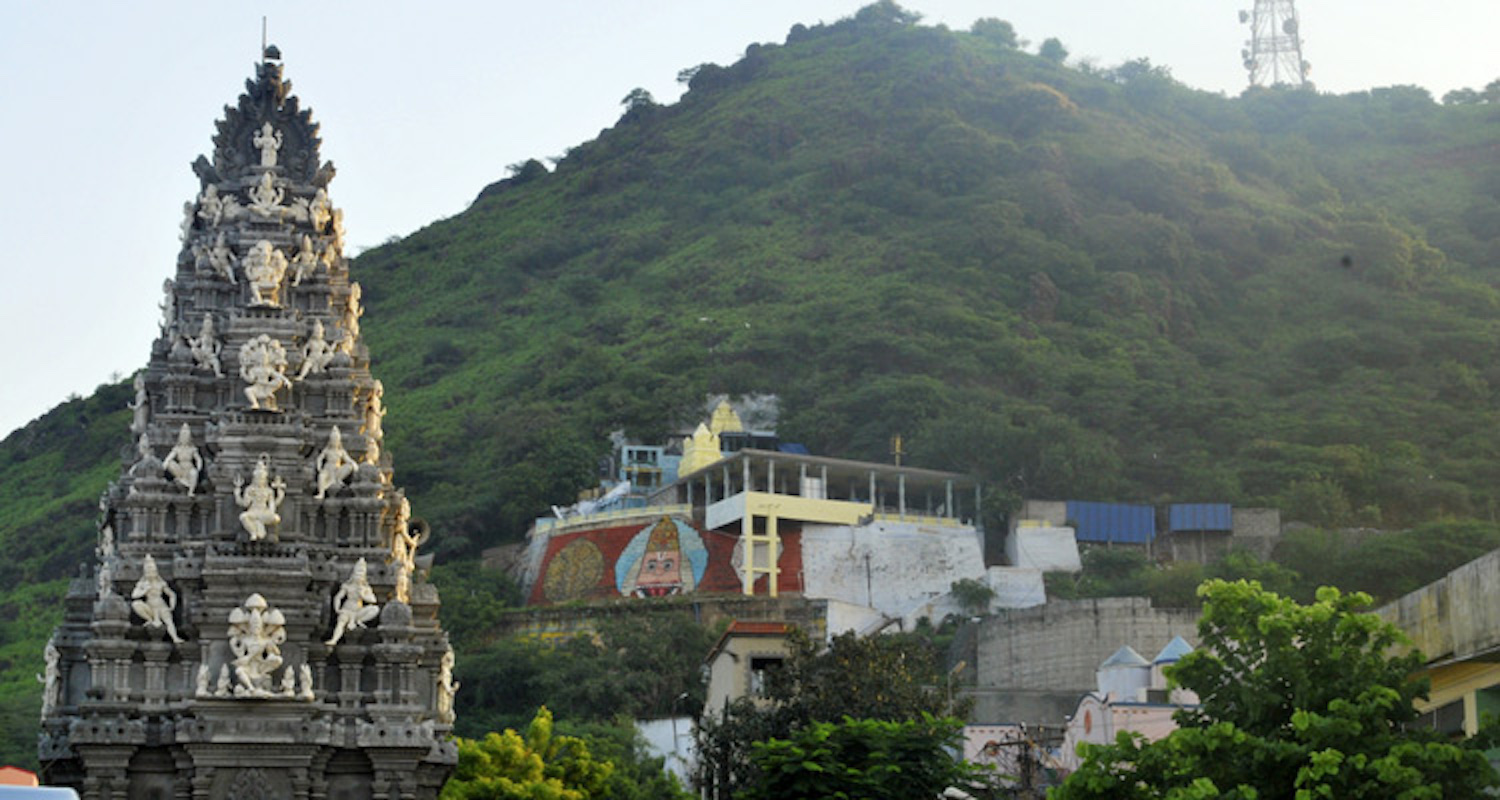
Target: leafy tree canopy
538 766
1297 701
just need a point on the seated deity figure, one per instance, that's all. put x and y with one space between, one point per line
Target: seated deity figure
317 353
334 464
153 600
219 259
256 633
260 499
268 141
263 367
265 198
354 604
146 463
305 262
446 688
205 347
265 268
210 206
184 463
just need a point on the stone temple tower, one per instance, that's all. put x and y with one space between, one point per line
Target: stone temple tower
258 624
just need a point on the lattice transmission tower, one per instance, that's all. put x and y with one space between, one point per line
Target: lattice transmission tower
1273 56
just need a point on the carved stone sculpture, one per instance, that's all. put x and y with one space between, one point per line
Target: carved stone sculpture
256 633
106 548
305 262
153 600
305 672
51 678
205 347
446 688
141 406
334 465
319 211
265 268
105 581
146 463
201 685
210 206
354 604
168 305
222 685
317 353
352 312
217 259
184 463
268 141
263 367
336 231
261 499
374 413
265 198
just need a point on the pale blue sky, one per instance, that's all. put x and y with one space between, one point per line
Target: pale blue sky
422 105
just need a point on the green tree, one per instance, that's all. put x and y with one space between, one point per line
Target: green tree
1052 49
996 30
1296 702
539 766
863 758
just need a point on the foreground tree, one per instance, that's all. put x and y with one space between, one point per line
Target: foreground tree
540 766
1295 702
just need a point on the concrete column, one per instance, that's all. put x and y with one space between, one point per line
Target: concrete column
773 542
901 493
747 536
948 509
771 479
873 505
801 478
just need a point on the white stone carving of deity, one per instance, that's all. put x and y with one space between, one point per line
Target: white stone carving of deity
219 259
260 499
305 672
189 215
265 267
352 312
374 412
145 464
336 231
106 547
221 687
205 347
184 462
268 141
265 198
263 367
256 633
200 689
334 464
51 678
105 581
168 305
305 262
210 206
153 600
354 604
317 353
446 688
141 406
319 210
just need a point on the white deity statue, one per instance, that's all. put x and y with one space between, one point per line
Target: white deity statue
305 262
200 688
105 580
210 206
352 312
374 413
256 633
334 464
354 604
263 367
205 347
404 543
288 683
221 686
189 215
446 688
317 353
265 268
305 672
336 231
260 499
319 210
106 548
168 305
184 463
268 141
141 406
153 600
51 678
265 198
218 259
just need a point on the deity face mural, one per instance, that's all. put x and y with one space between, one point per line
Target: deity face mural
664 559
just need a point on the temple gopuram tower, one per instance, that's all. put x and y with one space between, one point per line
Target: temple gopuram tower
258 624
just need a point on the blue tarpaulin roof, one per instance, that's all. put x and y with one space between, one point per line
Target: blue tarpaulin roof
1112 522
1199 517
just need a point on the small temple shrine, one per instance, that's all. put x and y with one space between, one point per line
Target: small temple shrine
258 623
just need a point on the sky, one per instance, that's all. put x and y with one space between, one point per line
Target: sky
105 104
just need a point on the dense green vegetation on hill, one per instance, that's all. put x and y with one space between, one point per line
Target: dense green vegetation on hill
1071 281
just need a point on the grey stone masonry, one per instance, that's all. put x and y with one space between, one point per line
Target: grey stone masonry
258 623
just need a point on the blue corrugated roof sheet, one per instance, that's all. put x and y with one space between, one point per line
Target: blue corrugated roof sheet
1112 522
1199 517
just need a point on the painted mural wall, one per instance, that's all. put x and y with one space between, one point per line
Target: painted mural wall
662 557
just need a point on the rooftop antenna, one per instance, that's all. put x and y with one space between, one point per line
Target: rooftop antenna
1273 56
262 38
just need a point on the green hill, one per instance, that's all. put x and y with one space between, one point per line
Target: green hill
1073 282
